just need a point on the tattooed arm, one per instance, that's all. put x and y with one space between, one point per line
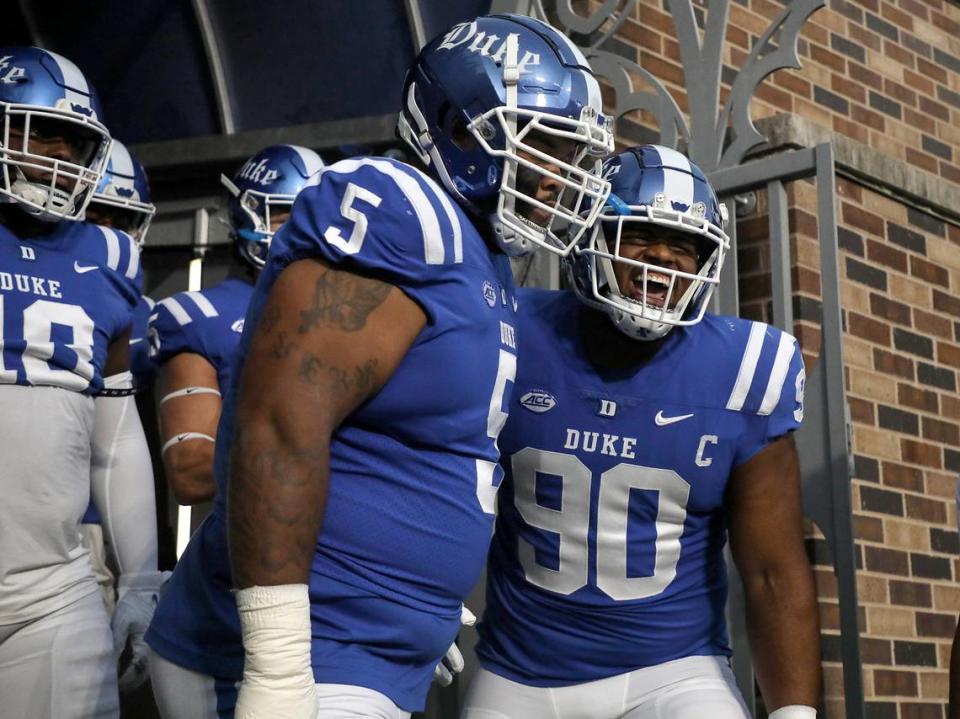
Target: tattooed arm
327 340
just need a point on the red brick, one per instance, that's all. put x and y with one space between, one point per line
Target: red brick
902 477
916 398
898 53
900 92
935 109
868 328
887 682
886 255
946 303
793 83
890 363
938 431
828 58
927 510
915 8
871 119
951 27
867 77
910 594
851 129
777 98
918 82
861 411
848 88
921 160
948 354
932 71
896 16
662 69
951 406
950 172
936 625
888 561
930 272
931 324
882 307
860 218
738 36
864 36
912 710
868 528
921 453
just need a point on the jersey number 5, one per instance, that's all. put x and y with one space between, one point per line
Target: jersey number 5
572 523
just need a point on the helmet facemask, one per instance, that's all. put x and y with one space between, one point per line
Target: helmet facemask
540 153
259 210
658 303
51 189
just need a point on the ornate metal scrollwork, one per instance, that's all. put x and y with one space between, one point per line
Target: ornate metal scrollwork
713 138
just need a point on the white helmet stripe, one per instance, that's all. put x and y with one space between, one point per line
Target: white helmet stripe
311 161
577 52
677 186
121 163
76 91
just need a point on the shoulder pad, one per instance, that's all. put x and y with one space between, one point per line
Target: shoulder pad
376 213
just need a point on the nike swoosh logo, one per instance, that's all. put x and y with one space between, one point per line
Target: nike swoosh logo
664 421
82 269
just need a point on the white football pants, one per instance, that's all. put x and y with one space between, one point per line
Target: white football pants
60 666
689 688
185 694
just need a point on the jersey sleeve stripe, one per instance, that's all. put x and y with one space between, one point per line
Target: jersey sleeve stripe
133 263
176 309
113 247
452 217
748 366
426 215
781 364
150 303
202 303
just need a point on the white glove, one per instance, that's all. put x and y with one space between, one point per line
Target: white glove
137 596
452 662
277 675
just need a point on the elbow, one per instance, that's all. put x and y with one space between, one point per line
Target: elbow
191 479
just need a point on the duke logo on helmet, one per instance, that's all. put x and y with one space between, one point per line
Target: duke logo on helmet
266 183
507 113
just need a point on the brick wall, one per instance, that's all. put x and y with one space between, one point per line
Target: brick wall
885 73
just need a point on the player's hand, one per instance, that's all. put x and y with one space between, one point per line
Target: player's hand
137 596
452 662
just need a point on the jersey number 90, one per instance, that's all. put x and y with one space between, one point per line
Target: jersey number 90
572 523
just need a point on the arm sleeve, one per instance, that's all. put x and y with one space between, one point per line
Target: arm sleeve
121 477
378 217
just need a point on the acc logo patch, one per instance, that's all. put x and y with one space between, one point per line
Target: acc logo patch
238 326
539 401
489 293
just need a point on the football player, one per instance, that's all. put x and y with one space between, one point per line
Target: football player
122 201
378 352
194 334
642 431
67 418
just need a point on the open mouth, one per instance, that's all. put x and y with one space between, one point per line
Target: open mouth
657 289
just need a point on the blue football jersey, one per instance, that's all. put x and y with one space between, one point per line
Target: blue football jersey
414 470
63 298
208 323
141 364
608 552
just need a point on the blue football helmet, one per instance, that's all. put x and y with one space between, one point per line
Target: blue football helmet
655 185
122 199
269 180
54 145
505 108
